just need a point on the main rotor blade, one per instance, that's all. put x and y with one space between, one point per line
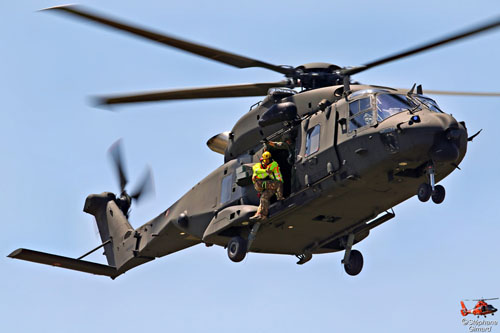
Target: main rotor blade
116 155
239 90
460 93
204 51
488 25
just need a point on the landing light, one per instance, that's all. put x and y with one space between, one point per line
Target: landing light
290 227
403 163
182 233
414 119
244 223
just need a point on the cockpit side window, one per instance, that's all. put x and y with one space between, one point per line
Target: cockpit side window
430 103
312 140
360 113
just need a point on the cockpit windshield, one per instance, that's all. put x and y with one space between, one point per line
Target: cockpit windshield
388 104
391 104
428 102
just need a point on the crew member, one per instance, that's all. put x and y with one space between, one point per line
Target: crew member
267 181
286 144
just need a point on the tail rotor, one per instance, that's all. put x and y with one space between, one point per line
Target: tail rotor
463 311
145 187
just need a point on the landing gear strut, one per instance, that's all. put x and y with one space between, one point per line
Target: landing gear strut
353 259
238 247
426 191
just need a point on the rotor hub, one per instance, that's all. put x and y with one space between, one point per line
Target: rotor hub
318 75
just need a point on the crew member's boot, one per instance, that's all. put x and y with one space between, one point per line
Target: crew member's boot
258 213
256 217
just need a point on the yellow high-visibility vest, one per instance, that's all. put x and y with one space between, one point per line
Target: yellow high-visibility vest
259 172
273 170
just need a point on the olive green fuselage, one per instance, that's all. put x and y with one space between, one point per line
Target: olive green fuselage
353 176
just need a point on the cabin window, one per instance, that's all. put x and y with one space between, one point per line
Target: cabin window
360 113
312 140
225 192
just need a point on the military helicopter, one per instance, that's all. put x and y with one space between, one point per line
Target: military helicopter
357 151
481 309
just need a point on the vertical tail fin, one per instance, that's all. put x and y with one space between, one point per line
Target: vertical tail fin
114 226
464 309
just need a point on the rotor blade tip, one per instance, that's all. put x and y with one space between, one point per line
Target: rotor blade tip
116 144
101 103
59 7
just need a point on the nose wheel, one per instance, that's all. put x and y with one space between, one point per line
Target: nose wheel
431 190
438 194
424 192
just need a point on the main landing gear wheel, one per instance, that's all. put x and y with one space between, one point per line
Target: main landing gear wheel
438 194
355 263
424 192
237 249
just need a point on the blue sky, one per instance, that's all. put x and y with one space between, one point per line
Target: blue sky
418 266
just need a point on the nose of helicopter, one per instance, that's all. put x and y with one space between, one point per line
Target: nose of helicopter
450 138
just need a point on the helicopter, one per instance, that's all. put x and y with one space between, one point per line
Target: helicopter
358 150
480 309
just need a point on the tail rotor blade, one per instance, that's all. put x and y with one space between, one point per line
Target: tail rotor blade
117 157
146 186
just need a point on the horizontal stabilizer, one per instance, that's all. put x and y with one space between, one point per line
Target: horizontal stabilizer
64 262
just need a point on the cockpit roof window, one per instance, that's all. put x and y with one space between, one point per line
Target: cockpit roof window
366 92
